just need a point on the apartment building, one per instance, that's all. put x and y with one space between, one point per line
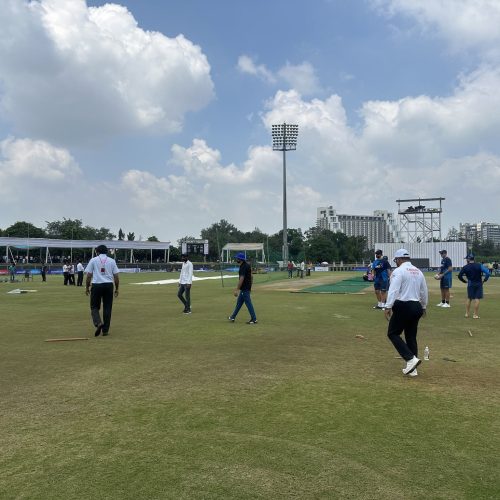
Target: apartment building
480 231
379 227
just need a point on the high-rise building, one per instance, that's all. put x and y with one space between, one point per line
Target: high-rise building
480 231
380 227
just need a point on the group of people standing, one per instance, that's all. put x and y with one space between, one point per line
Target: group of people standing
299 269
69 273
405 297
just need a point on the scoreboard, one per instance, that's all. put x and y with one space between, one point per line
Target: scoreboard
195 247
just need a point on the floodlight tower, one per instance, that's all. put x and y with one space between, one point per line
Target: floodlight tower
285 139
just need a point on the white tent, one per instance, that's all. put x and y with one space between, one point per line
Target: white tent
242 247
30 243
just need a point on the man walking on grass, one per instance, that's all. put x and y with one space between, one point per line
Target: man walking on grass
102 273
406 304
185 282
243 289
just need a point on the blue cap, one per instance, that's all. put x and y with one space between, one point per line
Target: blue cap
469 256
240 256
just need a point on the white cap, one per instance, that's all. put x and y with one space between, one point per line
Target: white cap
401 253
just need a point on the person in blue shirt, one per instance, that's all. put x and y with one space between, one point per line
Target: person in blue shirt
381 270
445 279
474 273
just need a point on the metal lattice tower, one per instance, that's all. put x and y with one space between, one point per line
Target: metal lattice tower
420 223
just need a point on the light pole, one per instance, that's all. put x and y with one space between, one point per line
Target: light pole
284 139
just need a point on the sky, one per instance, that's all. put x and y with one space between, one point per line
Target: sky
155 116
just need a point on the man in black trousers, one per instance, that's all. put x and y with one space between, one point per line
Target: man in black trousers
405 305
102 273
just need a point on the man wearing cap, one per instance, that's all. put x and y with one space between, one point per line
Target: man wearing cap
473 271
381 272
243 289
405 305
102 272
445 276
185 282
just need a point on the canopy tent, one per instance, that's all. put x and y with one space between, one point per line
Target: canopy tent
242 247
29 243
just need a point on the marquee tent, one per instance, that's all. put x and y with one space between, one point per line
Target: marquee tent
31 243
242 247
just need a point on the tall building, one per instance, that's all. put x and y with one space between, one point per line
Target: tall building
480 231
380 227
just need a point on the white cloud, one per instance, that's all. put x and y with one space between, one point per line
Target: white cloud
36 159
300 77
73 73
425 130
247 65
463 23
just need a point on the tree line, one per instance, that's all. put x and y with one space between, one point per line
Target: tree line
313 245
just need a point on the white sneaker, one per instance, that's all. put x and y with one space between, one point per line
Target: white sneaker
440 304
413 373
446 305
411 365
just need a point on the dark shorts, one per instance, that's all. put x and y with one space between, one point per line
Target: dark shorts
380 284
445 281
475 291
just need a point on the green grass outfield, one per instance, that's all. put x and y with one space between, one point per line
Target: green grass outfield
171 406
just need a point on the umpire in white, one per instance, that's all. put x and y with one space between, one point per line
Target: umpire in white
102 272
405 305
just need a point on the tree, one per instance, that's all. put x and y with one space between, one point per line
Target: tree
324 245
218 234
24 229
121 235
296 246
153 238
485 248
69 229
320 246
130 236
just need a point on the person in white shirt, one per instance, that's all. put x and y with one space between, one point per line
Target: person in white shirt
406 303
71 270
79 270
102 273
185 281
65 268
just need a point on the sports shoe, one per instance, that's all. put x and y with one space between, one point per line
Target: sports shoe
413 373
411 365
377 307
446 305
252 322
187 311
441 304
475 316
231 319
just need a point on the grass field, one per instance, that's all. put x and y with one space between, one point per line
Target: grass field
172 406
